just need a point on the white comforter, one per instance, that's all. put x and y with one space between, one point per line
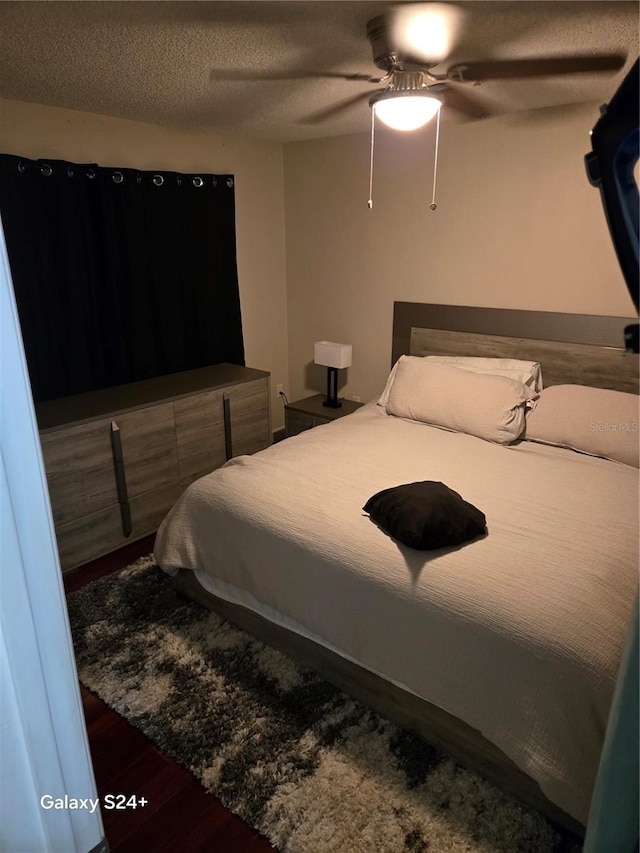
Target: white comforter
519 634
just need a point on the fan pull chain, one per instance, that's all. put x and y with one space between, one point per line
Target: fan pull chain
433 205
373 133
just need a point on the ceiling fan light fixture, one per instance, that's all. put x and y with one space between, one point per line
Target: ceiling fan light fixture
426 31
405 110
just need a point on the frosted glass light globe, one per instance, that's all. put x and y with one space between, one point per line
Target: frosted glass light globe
403 111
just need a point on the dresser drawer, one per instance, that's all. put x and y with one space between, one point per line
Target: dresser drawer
199 424
148 510
249 417
149 450
79 467
79 461
90 536
86 538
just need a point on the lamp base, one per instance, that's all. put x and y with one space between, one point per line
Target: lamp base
332 401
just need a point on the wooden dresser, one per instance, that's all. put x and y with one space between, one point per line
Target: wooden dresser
117 459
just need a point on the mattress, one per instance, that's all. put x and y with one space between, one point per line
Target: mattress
519 634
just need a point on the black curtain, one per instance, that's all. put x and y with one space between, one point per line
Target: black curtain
119 275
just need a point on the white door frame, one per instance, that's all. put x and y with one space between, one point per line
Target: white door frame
43 740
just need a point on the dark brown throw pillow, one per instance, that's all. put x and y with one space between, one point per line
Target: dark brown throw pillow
426 515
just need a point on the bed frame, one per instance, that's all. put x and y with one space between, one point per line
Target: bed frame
575 349
578 349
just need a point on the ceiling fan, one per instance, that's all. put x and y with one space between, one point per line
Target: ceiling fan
411 40
408 42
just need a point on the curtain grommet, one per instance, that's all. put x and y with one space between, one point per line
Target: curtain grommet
197 182
178 180
230 182
21 167
158 180
46 170
117 177
69 172
91 174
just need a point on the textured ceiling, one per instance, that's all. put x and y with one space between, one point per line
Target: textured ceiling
168 62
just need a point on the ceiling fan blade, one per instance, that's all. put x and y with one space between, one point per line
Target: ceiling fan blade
511 69
258 76
461 102
336 109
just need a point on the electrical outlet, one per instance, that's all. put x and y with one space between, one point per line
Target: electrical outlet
280 389
356 399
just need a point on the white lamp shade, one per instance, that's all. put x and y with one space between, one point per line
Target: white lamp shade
331 354
405 111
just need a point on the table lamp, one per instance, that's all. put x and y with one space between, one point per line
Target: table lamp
334 357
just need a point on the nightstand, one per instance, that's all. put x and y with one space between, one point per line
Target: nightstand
307 413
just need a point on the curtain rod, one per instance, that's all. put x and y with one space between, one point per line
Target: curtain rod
92 170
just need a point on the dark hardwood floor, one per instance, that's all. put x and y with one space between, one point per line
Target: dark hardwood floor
180 814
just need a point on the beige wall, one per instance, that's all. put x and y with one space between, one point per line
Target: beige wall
517 226
36 131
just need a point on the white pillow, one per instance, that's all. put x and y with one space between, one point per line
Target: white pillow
384 397
488 406
596 421
527 372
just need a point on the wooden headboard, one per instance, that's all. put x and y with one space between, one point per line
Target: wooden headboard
577 349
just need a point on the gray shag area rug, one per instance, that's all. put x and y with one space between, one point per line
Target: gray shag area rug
310 768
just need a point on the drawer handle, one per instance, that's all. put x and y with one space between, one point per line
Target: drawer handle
226 414
121 480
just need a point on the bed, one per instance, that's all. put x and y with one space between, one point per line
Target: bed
502 651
